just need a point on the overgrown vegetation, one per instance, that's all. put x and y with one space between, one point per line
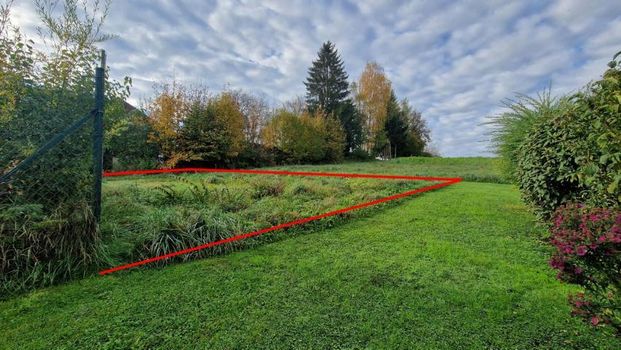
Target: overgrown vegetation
146 216
47 229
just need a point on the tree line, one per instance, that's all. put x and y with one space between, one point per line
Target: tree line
187 125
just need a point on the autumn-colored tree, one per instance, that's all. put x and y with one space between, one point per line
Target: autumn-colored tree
212 130
189 125
166 115
335 139
230 117
372 94
305 138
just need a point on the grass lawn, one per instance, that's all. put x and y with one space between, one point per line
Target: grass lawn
461 267
476 169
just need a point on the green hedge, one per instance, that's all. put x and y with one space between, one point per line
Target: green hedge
575 155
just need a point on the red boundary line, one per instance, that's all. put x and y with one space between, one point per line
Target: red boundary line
444 181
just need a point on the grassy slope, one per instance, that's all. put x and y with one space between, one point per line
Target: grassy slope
476 169
456 268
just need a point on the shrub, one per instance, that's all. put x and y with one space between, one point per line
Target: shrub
546 166
599 108
305 138
360 155
126 139
575 154
588 252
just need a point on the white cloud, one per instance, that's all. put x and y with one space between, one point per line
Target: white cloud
455 61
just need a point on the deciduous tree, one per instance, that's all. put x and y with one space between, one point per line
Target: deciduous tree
372 95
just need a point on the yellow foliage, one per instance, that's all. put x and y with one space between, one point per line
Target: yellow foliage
373 95
230 117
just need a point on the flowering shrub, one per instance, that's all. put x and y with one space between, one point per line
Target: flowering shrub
588 253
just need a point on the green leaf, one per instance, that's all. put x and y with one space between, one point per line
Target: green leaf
614 185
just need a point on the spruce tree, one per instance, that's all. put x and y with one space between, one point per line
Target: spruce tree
326 85
327 90
351 121
396 126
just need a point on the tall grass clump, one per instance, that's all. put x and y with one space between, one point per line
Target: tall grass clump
186 229
267 188
39 247
511 127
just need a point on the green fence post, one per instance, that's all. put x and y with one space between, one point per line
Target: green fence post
98 135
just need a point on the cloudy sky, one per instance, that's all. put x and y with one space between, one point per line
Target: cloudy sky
454 60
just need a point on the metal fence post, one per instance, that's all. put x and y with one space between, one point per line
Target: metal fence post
98 135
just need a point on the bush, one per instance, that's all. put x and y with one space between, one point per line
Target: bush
588 252
546 166
360 155
599 108
305 138
126 139
575 154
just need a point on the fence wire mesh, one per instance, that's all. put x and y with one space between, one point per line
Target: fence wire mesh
63 175
48 228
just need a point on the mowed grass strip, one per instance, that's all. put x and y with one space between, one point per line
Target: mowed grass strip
473 169
455 268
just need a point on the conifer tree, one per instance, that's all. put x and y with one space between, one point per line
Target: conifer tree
327 91
396 126
326 85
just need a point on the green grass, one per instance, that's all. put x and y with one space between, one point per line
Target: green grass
462 267
476 169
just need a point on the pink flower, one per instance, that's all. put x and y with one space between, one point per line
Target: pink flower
581 250
557 263
594 320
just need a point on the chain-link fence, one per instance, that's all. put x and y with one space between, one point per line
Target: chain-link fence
50 186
